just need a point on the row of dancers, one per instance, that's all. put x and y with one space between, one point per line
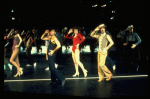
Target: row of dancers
77 38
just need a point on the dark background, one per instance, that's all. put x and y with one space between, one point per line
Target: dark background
58 14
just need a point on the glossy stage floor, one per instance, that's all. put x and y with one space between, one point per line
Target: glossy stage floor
125 82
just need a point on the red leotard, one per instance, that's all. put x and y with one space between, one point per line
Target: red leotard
76 40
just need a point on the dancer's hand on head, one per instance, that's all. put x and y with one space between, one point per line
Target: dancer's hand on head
70 31
97 29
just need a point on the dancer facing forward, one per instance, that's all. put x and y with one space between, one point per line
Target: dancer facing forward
132 40
17 40
53 46
77 39
102 52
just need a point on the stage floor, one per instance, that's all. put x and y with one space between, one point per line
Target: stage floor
125 82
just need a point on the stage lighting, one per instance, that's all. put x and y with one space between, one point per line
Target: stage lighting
94 5
12 10
111 18
111 1
13 18
103 5
113 11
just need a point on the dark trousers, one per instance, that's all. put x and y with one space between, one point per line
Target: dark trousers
129 55
29 57
55 73
59 55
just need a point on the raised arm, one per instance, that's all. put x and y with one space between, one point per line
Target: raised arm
43 36
93 33
9 36
67 37
70 31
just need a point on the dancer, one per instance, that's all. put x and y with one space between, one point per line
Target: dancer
132 40
46 44
102 52
53 46
77 39
29 48
17 40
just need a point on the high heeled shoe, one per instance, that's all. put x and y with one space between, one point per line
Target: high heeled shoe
21 71
85 73
18 74
100 80
108 79
76 74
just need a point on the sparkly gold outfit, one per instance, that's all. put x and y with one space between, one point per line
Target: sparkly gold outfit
102 54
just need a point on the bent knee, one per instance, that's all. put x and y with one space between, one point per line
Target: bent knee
78 62
11 60
75 62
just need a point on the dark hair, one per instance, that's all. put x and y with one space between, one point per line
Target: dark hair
17 32
75 28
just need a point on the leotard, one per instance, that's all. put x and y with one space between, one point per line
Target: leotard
76 40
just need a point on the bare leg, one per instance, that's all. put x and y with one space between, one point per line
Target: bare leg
76 65
15 61
13 58
77 58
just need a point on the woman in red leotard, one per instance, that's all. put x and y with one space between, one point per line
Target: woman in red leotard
77 39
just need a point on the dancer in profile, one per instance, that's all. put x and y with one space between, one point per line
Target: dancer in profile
102 52
77 39
53 46
14 59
